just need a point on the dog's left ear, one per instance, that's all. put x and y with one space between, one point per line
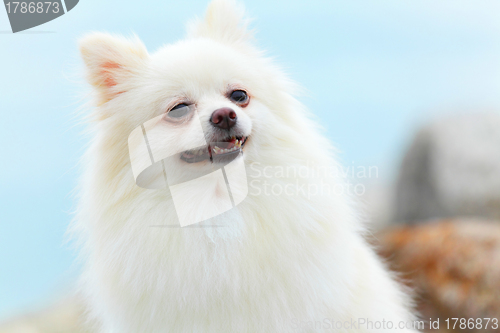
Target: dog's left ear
224 21
111 63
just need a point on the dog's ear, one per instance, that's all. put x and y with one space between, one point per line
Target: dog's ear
110 62
224 21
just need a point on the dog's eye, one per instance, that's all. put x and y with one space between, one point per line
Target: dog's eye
179 111
239 96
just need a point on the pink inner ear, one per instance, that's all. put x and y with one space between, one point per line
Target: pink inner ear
107 73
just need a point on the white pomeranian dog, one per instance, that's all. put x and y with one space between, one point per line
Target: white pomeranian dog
279 249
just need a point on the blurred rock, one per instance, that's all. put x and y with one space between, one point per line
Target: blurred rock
452 168
63 317
375 205
452 265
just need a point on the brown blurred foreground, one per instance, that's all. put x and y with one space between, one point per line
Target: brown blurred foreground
453 266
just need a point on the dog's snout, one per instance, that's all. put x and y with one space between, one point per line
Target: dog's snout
224 118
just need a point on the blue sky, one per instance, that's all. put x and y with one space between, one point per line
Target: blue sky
374 71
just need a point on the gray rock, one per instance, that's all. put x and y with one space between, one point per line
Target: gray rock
452 168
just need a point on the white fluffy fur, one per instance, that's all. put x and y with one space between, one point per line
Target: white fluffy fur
277 262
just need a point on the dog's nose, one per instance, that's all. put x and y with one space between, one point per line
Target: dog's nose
224 118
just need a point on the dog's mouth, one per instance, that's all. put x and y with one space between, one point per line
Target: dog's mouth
220 151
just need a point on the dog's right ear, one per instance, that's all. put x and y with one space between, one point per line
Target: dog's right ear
111 61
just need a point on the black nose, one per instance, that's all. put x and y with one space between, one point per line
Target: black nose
224 118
